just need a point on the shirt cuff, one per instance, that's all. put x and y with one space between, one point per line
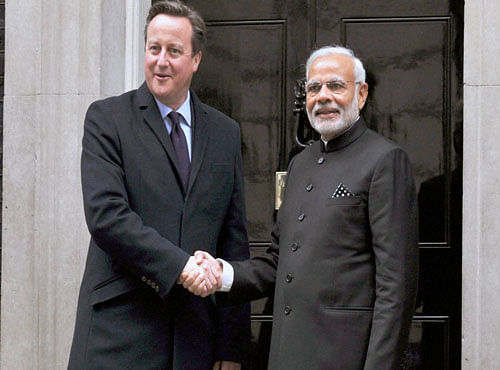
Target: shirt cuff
227 276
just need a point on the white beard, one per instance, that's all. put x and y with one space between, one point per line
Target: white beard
331 128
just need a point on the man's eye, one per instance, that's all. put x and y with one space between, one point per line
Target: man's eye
313 88
335 86
154 48
175 51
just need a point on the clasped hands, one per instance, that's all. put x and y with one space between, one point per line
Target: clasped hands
202 274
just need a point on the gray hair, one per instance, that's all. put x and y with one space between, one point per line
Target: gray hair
359 70
178 9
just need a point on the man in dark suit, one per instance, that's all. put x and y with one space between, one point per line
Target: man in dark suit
346 280
157 186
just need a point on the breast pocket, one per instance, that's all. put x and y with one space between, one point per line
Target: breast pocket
221 176
216 182
344 201
221 171
221 167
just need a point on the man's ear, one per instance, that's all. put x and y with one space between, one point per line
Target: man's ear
362 95
196 61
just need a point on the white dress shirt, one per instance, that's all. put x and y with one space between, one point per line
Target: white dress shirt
185 119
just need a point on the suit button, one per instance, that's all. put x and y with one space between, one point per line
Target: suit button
301 216
153 285
294 247
321 160
289 278
144 279
157 288
148 282
287 310
309 187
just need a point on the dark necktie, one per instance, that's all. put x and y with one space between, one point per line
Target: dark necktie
180 145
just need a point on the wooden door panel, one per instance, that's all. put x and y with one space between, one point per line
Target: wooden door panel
407 65
214 10
242 74
255 53
330 12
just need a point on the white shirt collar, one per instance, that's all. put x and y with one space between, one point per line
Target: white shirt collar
184 109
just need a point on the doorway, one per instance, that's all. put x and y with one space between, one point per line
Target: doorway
413 54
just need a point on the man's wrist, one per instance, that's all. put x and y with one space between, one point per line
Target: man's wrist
227 275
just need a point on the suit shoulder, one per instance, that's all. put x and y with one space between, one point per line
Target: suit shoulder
381 152
218 117
381 141
117 100
220 125
377 145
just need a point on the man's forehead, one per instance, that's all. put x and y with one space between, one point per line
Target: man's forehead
164 24
337 65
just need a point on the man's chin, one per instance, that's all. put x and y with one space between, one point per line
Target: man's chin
325 126
325 122
329 133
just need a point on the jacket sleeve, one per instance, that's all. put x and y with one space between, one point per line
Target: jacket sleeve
392 208
113 225
256 278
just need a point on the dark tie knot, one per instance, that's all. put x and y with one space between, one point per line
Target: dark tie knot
175 118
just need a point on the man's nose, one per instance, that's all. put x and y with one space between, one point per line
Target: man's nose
163 59
325 94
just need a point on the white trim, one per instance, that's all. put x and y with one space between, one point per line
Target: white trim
135 19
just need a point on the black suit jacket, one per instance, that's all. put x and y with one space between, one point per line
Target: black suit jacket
346 280
131 313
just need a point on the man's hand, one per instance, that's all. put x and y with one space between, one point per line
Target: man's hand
227 365
195 279
209 263
201 275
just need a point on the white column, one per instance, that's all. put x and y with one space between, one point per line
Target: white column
60 56
481 197
136 12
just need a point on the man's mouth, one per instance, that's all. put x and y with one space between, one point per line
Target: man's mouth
326 112
162 76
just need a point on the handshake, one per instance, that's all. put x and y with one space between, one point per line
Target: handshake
202 274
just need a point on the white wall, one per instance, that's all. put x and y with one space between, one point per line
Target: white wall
60 56
481 198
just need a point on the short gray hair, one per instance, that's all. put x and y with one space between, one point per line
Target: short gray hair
359 70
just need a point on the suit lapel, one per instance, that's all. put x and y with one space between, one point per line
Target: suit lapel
201 132
152 117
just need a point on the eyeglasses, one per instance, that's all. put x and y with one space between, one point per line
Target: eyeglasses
337 87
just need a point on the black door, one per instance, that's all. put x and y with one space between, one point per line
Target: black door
255 53
412 51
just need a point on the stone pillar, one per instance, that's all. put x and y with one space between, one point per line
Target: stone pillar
60 56
481 197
